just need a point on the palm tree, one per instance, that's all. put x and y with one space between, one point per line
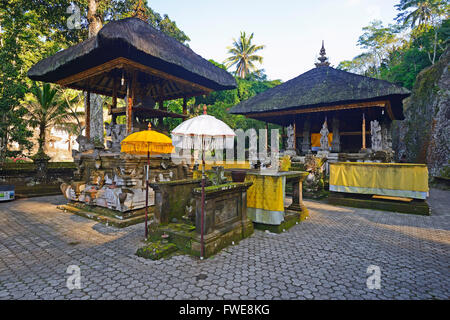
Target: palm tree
242 54
46 109
422 12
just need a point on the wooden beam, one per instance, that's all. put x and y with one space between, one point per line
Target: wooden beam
129 102
358 105
120 63
346 133
88 115
185 106
389 110
363 132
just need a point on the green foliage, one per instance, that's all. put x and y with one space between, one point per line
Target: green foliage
15 33
398 53
45 109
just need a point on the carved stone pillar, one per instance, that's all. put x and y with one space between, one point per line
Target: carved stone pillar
306 144
336 143
96 120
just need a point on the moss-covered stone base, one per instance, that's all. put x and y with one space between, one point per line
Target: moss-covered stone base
315 195
156 250
187 240
107 216
180 234
37 191
367 202
290 219
218 240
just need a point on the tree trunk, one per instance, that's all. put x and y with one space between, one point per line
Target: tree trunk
41 141
96 112
94 19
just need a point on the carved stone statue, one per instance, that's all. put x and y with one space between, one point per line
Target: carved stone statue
290 137
84 144
117 132
290 147
324 137
375 132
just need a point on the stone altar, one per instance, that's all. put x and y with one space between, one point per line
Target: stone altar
115 180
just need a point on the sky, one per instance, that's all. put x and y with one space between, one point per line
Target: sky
291 30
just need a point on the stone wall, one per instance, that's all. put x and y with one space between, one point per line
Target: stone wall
24 177
423 137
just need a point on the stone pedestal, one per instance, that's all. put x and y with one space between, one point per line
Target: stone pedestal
297 192
225 216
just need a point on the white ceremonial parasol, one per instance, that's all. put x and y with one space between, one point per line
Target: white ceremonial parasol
204 133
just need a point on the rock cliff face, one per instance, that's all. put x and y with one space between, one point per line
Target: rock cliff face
424 135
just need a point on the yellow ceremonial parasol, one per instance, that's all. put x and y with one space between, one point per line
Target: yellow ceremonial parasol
145 143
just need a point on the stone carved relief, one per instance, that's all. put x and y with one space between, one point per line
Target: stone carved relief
375 133
117 132
290 137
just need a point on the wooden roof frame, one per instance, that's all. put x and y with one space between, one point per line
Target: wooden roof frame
382 104
127 64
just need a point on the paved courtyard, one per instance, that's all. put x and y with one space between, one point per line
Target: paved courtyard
325 257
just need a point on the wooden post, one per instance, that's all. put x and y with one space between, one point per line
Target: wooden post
161 104
364 132
114 101
88 115
184 106
130 97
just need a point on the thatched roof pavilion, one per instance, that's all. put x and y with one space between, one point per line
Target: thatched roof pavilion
133 45
327 93
129 58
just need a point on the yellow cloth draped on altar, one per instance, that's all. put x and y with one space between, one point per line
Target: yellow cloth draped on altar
266 193
392 179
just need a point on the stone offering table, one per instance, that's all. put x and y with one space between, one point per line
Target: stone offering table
266 198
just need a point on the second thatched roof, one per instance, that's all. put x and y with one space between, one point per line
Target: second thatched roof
324 86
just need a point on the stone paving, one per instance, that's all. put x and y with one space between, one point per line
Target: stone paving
325 257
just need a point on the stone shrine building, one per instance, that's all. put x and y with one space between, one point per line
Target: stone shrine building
353 112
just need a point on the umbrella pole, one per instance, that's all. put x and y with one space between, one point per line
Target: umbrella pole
146 194
203 201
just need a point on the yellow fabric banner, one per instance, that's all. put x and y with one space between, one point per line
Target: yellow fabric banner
266 192
315 139
393 176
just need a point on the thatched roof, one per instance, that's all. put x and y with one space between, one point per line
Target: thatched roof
324 86
138 41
